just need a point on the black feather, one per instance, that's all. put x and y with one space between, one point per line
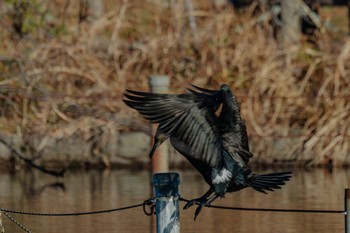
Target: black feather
210 141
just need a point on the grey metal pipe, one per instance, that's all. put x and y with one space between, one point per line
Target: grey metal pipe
166 188
2 229
347 210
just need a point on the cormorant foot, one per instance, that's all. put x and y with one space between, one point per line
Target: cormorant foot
200 202
197 201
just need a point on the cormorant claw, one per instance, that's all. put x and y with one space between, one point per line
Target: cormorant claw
200 202
192 202
198 210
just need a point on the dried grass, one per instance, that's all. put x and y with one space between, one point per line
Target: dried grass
295 100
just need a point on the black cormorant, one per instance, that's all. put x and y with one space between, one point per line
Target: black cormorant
215 144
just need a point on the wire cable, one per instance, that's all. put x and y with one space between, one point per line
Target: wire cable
272 210
148 202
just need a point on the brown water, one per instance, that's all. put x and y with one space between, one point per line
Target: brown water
93 190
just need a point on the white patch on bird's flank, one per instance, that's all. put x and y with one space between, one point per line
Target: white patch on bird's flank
220 176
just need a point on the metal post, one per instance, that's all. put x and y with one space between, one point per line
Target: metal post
347 210
2 229
159 83
160 160
166 188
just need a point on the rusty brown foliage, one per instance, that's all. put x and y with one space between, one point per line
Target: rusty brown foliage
66 78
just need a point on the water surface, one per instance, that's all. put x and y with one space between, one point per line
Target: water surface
96 190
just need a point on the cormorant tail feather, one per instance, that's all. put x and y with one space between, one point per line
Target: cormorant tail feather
268 182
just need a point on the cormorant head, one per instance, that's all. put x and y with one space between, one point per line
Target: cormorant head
226 91
225 87
228 95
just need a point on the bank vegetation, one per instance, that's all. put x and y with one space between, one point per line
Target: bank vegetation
63 73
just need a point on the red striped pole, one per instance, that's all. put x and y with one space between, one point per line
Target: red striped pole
160 160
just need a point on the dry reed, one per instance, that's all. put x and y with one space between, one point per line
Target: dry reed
295 100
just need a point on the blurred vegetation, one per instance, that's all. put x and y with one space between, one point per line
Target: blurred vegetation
63 71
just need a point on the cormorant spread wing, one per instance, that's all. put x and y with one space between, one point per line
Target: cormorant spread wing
185 117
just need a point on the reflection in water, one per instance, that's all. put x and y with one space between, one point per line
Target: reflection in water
96 190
